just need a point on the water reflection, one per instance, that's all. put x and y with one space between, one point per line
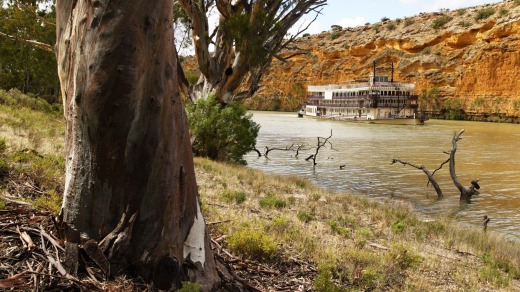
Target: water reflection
487 151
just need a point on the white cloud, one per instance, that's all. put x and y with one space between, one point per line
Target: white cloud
314 28
352 22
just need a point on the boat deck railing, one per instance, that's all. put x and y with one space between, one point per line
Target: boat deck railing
367 85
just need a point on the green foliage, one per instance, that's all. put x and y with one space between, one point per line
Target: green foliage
306 35
461 11
221 132
376 27
22 66
485 13
49 202
364 232
453 109
335 35
191 76
503 11
493 275
383 19
271 201
45 171
323 282
427 51
408 22
16 99
336 27
398 226
430 99
391 26
465 24
233 196
402 258
336 228
190 287
304 216
479 101
253 243
441 21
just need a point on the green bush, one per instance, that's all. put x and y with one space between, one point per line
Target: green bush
398 226
503 11
233 196
391 26
304 216
484 13
271 201
465 24
408 21
335 35
441 21
221 132
253 243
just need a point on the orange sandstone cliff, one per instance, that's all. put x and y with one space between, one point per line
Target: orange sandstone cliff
471 55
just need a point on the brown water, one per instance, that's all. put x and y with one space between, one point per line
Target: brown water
488 151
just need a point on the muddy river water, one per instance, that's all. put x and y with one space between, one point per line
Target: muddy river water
488 151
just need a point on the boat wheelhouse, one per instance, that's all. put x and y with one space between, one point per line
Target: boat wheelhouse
377 100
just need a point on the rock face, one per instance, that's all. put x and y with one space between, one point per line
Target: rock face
471 55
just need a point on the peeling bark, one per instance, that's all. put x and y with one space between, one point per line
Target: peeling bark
130 182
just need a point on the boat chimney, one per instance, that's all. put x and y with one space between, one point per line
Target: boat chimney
392 73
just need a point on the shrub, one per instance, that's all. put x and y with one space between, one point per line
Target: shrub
253 243
503 11
383 19
408 21
461 11
335 35
376 27
484 13
306 35
233 196
271 201
391 26
221 132
465 24
398 226
441 21
304 216
336 228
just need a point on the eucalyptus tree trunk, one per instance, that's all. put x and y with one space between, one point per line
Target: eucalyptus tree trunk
130 182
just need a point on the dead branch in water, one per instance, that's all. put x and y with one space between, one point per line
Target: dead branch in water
427 172
322 142
465 193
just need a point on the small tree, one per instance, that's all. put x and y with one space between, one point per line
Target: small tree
221 132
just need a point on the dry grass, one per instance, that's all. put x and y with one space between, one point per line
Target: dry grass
356 243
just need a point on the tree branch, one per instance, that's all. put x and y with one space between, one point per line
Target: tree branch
36 44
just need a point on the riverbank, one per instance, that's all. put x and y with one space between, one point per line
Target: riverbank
274 232
353 242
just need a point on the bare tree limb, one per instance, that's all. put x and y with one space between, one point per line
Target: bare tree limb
426 171
36 44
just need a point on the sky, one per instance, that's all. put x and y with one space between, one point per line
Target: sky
350 13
